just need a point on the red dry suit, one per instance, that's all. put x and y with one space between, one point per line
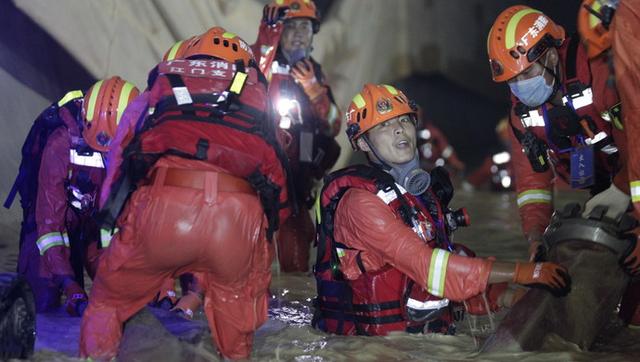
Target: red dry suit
195 161
66 235
625 37
383 263
626 58
585 83
312 124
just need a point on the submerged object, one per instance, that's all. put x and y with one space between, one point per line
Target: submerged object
591 249
17 317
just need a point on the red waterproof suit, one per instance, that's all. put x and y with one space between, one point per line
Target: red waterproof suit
69 182
534 188
187 215
320 121
375 273
626 57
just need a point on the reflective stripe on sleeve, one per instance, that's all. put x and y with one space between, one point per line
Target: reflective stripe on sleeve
534 197
49 240
437 272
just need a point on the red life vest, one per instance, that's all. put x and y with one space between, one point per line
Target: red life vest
210 110
563 127
380 301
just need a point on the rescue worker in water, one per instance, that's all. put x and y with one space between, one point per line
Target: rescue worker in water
383 264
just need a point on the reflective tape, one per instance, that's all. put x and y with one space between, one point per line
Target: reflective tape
317 207
510 33
182 95
635 191
91 108
106 235
340 252
49 240
579 100
228 35
238 82
388 196
93 160
391 89
358 101
437 272
75 94
428 305
534 197
125 93
533 119
174 50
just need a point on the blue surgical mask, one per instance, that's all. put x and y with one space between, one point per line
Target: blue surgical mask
533 91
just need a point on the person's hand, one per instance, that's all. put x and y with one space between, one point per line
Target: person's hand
631 262
549 276
272 13
537 251
616 201
77 300
304 74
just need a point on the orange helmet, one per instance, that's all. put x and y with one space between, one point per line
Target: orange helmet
217 42
293 9
594 32
102 108
177 50
519 36
373 105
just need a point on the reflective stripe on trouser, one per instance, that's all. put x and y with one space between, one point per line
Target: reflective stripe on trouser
50 240
635 191
230 252
534 196
437 272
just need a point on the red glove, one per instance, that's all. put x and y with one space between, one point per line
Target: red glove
272 13
631 262
550 276
304 75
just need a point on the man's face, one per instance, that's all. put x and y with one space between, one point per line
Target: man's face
297 34
395 139
537 68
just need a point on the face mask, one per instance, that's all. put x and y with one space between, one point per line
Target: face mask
533 91
414 179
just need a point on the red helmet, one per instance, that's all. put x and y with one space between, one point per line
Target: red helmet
219 43
375 104
102 108
519 36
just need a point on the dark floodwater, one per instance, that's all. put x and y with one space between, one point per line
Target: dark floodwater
287 336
